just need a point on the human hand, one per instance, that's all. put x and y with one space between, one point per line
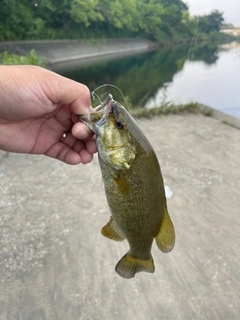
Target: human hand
36 107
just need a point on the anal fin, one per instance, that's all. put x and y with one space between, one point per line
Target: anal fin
165 238
111 231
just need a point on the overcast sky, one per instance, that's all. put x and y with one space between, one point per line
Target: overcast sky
231 8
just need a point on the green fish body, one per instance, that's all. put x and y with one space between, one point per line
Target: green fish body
134 188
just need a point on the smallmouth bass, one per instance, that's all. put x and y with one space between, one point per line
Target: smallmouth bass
133 185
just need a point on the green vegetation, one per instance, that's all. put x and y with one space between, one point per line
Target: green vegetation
159 20
192 107
31 58
211 22
166 109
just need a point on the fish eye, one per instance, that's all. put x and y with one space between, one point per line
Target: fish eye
119 124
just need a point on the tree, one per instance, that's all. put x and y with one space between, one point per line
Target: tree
150 18
17 19
211 22
216 20
85 12
153 19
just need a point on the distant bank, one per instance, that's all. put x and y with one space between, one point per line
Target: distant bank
60 53
234 32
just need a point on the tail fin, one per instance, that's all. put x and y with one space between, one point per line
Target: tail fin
129 265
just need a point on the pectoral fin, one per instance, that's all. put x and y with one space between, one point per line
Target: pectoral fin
166 236
111 231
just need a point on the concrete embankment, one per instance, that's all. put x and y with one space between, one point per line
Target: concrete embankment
61 52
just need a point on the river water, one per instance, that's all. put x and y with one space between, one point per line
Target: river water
208 74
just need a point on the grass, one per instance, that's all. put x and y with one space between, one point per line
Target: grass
13 59
192 107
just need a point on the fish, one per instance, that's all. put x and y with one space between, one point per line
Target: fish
134 187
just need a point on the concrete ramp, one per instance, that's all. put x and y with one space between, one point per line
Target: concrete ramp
55 264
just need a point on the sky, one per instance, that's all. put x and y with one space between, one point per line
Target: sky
231 8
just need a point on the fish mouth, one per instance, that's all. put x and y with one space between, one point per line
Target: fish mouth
99 116
93 117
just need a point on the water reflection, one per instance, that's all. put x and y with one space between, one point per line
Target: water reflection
210 77
216 85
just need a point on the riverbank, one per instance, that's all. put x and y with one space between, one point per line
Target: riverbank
54 263
63 53
67 54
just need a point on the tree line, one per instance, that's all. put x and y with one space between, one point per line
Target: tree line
158 20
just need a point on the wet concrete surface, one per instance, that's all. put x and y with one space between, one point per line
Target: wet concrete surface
55 264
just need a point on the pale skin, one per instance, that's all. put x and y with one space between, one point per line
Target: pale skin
36 107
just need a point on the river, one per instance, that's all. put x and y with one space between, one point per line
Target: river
206 73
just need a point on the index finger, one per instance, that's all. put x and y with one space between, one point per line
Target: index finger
62 90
